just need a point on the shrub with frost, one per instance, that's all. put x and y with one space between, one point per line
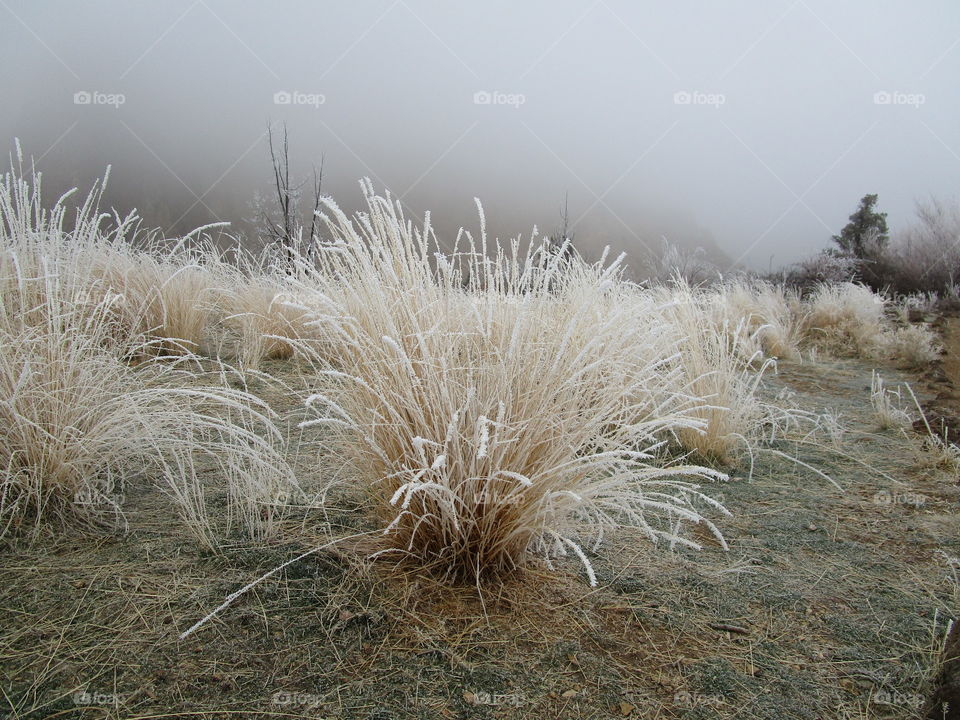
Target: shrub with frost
911 346
851 320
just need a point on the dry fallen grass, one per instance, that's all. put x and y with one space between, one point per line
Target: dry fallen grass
828 604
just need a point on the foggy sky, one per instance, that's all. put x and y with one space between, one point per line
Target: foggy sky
750 128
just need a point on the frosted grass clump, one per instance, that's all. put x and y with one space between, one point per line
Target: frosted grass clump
846 319
887 404
162 290
81 425
494 402
90 399
722 365
260 305
773 316
911 346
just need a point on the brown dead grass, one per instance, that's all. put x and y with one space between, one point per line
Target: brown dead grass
831 617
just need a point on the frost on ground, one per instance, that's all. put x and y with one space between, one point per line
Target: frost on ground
495 482
828 604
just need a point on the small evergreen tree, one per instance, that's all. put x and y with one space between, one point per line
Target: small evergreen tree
863 242
866 233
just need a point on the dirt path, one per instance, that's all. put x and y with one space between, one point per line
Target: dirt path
951 343
942 383
946 691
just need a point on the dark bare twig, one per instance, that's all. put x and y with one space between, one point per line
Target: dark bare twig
286 232
725 627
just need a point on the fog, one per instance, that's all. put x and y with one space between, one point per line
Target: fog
750 129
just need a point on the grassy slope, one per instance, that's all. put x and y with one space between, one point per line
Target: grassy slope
837 594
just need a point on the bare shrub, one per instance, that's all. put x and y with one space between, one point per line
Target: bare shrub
926 256
675 262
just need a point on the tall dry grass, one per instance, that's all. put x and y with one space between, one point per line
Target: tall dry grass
260 305
845 319
496 402
81 424
773 316
90 402
157 290
722 362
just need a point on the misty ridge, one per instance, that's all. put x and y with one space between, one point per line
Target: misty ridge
749 132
